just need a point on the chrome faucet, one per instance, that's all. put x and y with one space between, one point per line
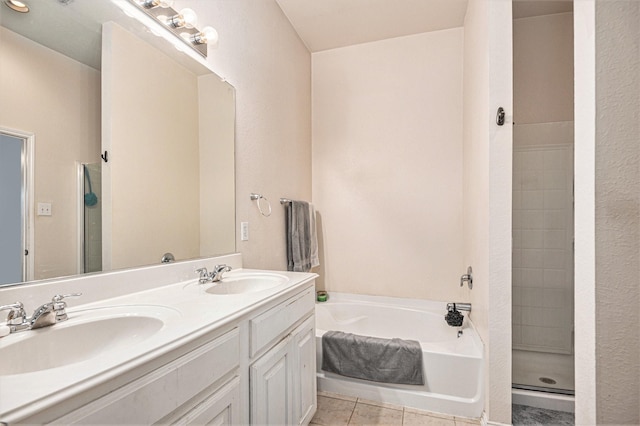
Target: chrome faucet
17 317
204 277
52 312
218 271
215 276
44 316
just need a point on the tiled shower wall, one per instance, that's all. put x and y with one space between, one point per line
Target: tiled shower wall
543 238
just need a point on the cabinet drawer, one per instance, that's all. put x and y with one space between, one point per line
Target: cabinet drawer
220 408
153 396
270 325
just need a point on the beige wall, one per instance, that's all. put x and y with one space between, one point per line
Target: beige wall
216 110
543 68
387 166
617 211
57 99
153 171
262 57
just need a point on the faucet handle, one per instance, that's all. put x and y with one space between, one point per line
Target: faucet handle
221 268
204 275
59 305
17 314
59 297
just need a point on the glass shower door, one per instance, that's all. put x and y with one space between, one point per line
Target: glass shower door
92 217
543 256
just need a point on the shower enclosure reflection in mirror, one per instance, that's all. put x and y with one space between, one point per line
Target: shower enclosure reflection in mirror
16 224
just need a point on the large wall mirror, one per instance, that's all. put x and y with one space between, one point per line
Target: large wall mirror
81 83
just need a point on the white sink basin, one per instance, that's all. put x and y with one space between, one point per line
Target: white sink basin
85 335
235 283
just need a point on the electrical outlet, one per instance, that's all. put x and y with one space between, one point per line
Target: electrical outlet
244 231
44 209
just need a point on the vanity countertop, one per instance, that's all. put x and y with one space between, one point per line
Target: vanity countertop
188 313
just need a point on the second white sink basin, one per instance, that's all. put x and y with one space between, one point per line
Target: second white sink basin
85 335
240 282
247 282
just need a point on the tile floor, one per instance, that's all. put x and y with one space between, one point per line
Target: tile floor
523 415
336 409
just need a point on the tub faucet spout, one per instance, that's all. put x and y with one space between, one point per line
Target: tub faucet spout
451 306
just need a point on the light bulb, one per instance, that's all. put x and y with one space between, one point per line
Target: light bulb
189 18
207 35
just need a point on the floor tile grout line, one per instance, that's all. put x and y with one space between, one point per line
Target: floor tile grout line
352 411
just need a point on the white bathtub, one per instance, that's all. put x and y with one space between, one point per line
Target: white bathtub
452 366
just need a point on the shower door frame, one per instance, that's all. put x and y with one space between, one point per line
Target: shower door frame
27 194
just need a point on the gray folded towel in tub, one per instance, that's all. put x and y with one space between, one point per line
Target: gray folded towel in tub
372 358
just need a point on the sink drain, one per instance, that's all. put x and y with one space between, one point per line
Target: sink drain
547 380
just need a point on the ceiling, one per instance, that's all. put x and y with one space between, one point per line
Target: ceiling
329 24
529 8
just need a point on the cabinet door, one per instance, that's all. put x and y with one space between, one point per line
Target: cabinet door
221 408
304 372
271 387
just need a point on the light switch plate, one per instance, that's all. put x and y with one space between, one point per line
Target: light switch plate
244 231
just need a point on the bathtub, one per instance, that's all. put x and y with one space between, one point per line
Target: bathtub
453 366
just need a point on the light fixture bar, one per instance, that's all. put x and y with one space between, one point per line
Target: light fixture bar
168 17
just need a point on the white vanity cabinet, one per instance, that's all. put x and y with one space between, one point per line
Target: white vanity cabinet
195 388
282 377
257 366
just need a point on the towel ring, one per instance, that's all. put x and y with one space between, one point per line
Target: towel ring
257 197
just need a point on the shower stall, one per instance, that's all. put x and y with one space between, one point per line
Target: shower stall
542 273
542 262
91 217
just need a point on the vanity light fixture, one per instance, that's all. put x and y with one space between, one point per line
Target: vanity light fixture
150 4
181 24
16 5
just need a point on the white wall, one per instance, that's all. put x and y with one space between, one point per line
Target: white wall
262 57
387 166
38 99
585 339
487 191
